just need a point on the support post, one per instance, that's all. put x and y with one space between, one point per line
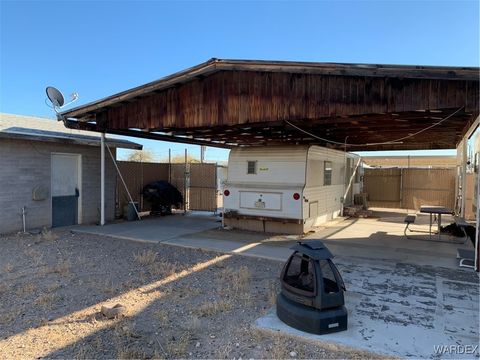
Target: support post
464 175
185 197
202 153
477 222
102 179
170 166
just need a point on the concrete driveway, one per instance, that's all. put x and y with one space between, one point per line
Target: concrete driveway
155 229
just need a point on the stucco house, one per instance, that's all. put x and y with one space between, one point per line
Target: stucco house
50 175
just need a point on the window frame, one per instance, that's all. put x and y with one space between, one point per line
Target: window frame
254 162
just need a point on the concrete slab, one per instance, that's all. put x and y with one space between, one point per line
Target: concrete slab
380 237
403 310
155 229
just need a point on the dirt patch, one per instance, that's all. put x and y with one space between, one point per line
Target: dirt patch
179 302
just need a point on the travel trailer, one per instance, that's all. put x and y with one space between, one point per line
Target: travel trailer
288 189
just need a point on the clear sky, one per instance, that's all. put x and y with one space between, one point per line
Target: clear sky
100 48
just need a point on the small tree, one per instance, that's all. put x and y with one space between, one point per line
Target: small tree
179 159
141 156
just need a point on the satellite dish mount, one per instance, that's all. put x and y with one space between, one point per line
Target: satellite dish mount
57 99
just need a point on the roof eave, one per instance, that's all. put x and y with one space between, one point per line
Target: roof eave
73 141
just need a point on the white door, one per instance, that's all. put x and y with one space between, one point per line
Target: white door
65 189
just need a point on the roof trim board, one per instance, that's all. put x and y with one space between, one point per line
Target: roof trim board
56 137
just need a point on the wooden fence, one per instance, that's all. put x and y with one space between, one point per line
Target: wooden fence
203 187
196 182
410 188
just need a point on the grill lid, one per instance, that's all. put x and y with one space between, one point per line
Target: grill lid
314 249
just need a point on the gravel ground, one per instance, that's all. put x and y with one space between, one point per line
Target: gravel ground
180 303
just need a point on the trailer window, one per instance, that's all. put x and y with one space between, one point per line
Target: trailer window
327 173
251 167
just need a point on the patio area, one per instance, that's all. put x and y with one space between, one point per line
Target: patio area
401 309
405 297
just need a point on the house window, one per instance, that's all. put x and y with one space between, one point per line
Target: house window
327 173
251 167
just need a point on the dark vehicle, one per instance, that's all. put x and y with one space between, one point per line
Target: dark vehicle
162 196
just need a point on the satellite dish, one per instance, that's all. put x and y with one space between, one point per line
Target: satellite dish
57 99
55 96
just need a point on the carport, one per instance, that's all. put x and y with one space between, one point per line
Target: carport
354 107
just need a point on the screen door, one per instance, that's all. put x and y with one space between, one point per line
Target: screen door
65 189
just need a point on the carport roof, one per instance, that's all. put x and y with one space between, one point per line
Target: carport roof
227 103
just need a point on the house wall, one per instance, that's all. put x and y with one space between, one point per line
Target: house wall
25 165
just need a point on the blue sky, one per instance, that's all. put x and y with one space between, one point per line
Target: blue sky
100 48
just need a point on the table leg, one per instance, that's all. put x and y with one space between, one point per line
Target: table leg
430 229
439 224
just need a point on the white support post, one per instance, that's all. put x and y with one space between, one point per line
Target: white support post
464 175
477 221
102 179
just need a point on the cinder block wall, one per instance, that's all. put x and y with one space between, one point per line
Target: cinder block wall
27 164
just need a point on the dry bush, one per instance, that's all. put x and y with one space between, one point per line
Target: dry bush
194 323
27 289
84 351
81 259
8 268
45 300
237 280
36 257
245 298
159 355
3 288
109 289
42 322
163 268
178 348
272 295
124 329
162 316
235 284
96 342
131 352
44 271
224 351
125 348
211 308
62 268
242 278
145 257
53 287
278 348
10 316
48 235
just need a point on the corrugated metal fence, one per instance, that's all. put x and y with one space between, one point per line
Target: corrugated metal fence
410 188
196 182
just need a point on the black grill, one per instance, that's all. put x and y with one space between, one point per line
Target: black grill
162 196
